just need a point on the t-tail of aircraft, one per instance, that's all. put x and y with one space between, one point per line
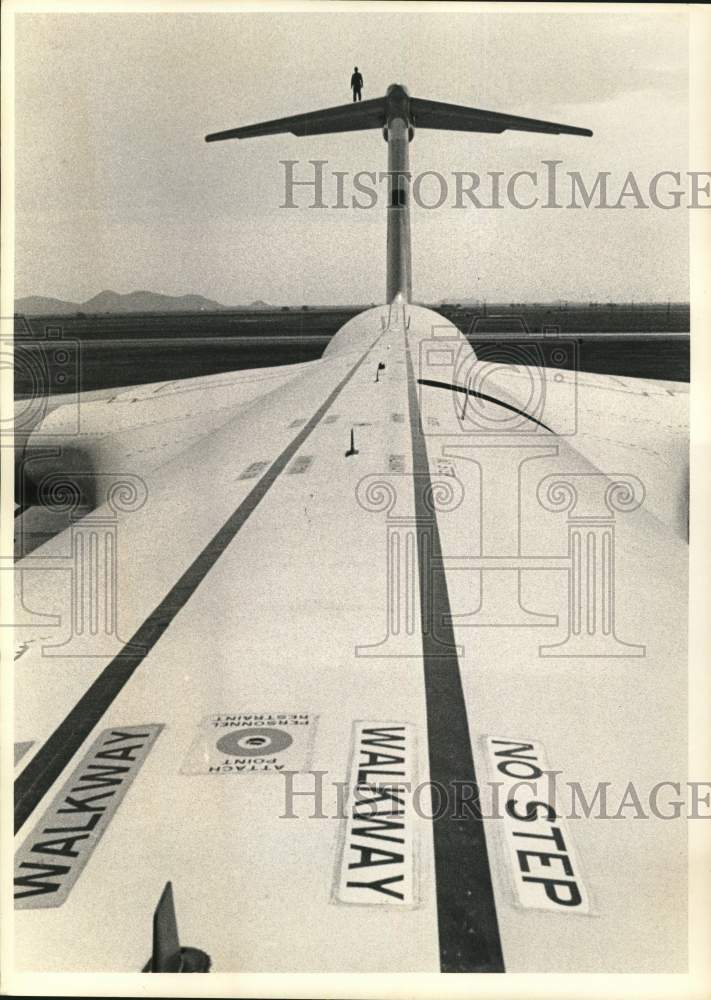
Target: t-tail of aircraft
397 114
343 650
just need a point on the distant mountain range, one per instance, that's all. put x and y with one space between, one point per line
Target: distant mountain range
113 302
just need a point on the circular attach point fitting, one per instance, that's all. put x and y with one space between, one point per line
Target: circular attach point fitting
254 742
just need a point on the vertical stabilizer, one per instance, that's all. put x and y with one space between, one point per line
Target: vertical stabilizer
398 114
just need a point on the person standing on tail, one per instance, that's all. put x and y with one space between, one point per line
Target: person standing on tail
356 84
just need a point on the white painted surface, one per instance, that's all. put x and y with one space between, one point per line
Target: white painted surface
275 626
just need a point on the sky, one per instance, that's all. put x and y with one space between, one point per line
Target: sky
116 188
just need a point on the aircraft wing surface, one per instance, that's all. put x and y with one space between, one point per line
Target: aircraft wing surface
304 657
457 118
343 118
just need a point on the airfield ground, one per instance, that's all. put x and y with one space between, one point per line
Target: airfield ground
60 354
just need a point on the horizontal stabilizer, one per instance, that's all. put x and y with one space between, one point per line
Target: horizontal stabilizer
344 118
455 117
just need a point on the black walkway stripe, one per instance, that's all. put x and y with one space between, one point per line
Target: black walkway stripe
482 395
469 938
49 762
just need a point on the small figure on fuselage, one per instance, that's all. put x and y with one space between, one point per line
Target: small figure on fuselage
356 84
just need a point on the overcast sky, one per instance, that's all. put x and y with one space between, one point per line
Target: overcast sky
116 188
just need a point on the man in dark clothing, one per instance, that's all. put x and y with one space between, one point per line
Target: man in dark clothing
356 84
